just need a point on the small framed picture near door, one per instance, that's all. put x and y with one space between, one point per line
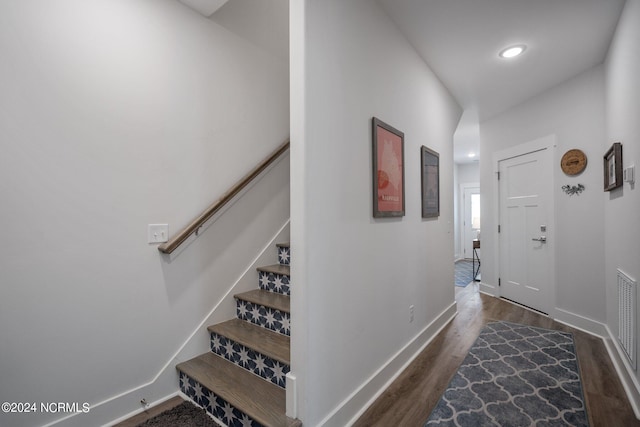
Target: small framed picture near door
613 167
430 172
388 170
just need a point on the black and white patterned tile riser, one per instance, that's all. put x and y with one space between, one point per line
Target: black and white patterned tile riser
284 255
255 362
274 282
270 318
215 405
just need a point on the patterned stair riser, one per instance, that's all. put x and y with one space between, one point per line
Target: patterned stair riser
274 282
284 255
255 362
266 317
214 404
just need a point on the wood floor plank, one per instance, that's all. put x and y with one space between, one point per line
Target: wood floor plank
409 400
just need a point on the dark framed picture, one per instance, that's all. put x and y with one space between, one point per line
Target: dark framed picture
388 170
613 167
430 173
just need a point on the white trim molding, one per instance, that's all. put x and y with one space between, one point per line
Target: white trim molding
581 323
349 410
624 370
488 289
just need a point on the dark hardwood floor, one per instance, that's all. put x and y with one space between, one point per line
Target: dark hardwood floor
411 397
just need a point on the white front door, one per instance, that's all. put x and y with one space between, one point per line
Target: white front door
526 260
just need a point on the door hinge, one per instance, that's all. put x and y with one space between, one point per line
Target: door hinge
499 284
498 228
498 175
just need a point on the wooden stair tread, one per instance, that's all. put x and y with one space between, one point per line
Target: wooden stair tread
266 298
261 400
276 269
283 245
271 344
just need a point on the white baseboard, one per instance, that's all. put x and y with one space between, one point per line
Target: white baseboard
625 371
582 323
488 289
355 404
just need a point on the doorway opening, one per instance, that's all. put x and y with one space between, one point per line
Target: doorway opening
471 220
467 266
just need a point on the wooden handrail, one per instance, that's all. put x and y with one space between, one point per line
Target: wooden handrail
195 225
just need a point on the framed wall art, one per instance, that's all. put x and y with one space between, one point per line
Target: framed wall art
430 173
388 170
613 167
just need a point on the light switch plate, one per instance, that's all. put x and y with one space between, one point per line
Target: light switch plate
628 174
157 233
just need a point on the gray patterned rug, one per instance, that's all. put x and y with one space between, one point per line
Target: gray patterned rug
515 375
463 273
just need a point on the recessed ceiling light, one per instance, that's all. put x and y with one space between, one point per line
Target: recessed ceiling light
512 51
471 155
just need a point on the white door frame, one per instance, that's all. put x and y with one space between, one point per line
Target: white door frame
462 215
547 143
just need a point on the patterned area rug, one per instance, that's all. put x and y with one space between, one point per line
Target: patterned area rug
184 415
463 273
515 375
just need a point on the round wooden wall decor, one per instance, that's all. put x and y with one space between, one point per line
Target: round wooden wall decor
573 162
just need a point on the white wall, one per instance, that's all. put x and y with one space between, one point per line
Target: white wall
115 114
264 23
360 274
621 206
574 113
468 173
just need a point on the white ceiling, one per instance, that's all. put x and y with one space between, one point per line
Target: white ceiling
460 41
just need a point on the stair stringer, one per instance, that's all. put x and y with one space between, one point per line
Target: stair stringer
225 309
198 341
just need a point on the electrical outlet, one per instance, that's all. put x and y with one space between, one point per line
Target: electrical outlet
411 313
157 233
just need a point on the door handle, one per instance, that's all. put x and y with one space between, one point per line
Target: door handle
542 239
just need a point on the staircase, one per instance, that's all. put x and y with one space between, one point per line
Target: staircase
241 382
